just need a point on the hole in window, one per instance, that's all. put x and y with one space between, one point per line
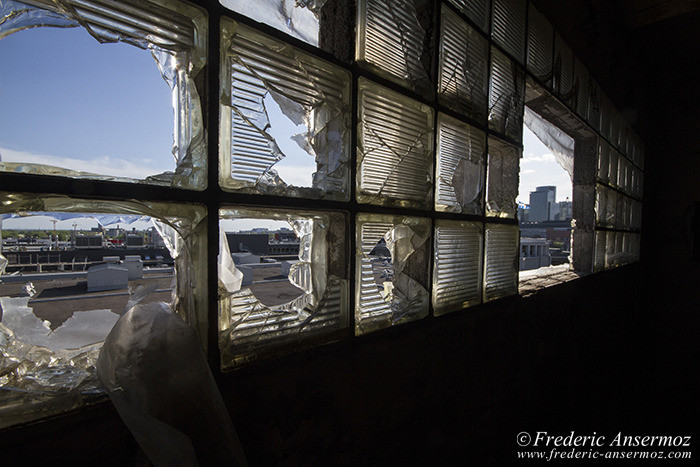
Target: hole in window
282 281
67 274
107 100
545 195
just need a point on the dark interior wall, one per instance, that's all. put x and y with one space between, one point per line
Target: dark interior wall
616 351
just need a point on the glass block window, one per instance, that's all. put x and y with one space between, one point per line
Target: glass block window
391 270
506 96
267 89
501 263
563 69
457 271
283 279
502 178
463 67
391 41
461 151
540 43
508 27
395 148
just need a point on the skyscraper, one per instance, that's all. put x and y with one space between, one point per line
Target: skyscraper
543 204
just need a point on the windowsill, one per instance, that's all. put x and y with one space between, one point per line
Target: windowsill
535 280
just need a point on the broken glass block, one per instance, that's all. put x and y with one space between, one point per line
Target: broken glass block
502 178
285 118
506 96
392 270
395 148
174 35
463 67
323 23
282 280
392 42
457 269
460 167
501 263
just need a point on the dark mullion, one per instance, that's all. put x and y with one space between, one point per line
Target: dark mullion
213 192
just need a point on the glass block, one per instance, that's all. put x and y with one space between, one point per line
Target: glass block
614 167
636 215
611 208
501 263
392 270
457 269
600 248
463 67
611 256
461 151
130 135
615 126
395 148
392 42
581 87
594 96
603 160
506 96
502 179
601 204
476 10
317 22
508 29
605 116
285 119
70 268
283 281
563 69
540 46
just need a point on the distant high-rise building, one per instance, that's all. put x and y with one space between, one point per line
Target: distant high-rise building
543 204
565 210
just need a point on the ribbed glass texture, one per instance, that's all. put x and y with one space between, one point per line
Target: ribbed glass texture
391 270
509 26
540 45
463 67
260 72
457 270
461 152
390 41
599 258
395 148
501 264
563 68
502 179
603 160
581 86
506 96
476 10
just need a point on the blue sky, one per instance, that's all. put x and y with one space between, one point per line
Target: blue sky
70 101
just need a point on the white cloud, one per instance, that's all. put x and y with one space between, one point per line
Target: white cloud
528 171
543 158
103 165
